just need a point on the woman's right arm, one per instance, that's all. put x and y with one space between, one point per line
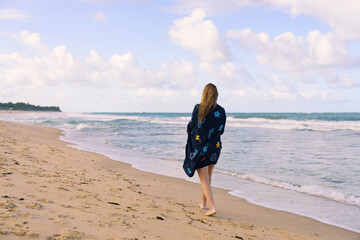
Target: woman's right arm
222 123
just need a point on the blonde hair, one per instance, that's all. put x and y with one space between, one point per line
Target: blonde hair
208 101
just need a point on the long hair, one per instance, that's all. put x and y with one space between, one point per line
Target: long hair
208 101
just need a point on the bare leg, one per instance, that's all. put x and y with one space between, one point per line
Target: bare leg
211 168
202 205
206 189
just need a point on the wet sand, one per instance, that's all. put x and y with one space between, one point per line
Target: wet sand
52 191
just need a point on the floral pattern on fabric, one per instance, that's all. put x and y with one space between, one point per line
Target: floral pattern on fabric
203 145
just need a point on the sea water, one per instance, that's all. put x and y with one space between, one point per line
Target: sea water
304 163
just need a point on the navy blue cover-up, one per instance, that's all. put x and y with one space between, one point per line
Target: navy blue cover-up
203 145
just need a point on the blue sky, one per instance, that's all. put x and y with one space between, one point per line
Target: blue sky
156 56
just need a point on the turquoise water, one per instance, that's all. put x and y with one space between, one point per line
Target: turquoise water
305 163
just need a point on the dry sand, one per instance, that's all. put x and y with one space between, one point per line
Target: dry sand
51 191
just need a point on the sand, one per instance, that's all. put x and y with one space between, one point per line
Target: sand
49 190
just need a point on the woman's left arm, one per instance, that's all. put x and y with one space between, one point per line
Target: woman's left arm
193 119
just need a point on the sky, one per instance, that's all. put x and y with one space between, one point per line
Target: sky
157 56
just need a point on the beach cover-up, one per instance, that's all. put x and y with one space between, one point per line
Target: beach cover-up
203 143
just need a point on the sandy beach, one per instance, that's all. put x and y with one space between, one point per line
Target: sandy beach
52 191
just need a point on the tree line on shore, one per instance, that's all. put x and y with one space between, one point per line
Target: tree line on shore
20 106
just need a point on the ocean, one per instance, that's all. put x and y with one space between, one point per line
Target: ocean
304 163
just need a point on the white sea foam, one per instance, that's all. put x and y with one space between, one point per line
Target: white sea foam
284 124
169 121
113 117
280 124
307 189
83 126
103 117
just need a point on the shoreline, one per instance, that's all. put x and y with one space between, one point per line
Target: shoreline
170 203
78 145
228 190
323 221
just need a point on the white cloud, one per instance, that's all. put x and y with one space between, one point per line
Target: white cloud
123 70
120 71
227 74
303 59
100 16
57 66
62 95
212 7
200 36
181 73
326 50
252 94
342 16
156 99
318 56
312 95
53 68
282 89
156 95
349 82
32 40
281 84
287 52
140 89
228 71
12 14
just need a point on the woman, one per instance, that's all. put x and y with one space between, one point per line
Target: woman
203 144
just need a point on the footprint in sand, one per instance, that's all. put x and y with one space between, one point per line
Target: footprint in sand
62 189
30 182
43 200
7 185
8 205
66 206
20 232
36 206
81 196
68 235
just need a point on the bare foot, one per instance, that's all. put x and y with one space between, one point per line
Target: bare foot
211 212
202 206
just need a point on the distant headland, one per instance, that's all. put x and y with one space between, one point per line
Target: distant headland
20 106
